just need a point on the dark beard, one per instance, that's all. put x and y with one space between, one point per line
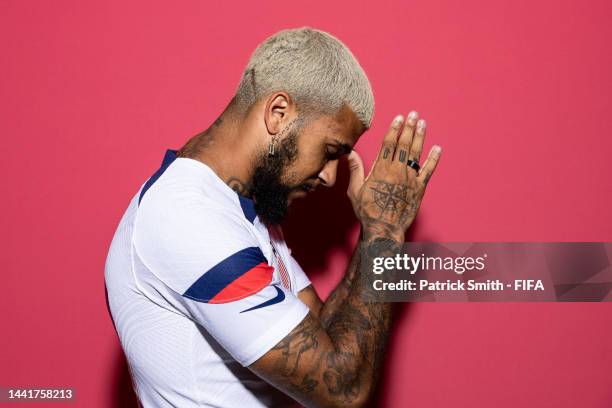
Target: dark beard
271 195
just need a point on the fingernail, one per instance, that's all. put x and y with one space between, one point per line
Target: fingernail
437 149
398 119
421 124
412 115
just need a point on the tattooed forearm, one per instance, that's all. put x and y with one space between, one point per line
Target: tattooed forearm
338 295
336 363
359 328
302 341
295 345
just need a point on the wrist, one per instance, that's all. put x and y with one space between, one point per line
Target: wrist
372 231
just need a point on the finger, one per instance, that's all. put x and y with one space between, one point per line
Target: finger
390 141
418 140
430 164
405 139
356 174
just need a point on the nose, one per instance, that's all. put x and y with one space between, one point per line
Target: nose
328 173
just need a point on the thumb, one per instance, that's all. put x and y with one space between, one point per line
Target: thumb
356 174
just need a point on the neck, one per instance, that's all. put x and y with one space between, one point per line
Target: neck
227 149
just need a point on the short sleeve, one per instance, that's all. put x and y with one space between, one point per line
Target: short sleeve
301 280
214 266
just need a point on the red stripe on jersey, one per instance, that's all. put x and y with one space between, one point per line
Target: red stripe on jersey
251 282
283 273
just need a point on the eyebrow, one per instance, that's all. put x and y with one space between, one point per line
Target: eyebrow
344 147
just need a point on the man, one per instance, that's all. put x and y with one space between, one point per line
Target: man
210 306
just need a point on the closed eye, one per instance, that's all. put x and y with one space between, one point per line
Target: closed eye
332 153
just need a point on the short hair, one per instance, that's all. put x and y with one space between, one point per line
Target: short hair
316 69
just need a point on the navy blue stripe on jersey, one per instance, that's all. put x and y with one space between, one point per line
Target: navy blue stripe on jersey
248 208
224 273
169 157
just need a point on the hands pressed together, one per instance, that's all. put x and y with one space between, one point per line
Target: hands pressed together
387 200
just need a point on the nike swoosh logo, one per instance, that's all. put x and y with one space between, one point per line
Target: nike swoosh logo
280 296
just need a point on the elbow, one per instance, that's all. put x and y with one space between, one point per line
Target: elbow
357 403
353 396
347 382
341 402
364 397
360 401
350 397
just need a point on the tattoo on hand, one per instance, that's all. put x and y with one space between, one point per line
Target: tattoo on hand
402 156
389 197
395 202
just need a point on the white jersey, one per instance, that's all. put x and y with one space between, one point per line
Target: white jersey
198 289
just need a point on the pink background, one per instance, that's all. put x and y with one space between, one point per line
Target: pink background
516 92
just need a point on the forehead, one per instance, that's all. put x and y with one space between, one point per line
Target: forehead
344 126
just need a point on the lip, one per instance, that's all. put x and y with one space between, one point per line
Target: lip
299 193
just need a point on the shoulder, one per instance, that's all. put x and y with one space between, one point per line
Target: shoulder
187 203
180 232
187 220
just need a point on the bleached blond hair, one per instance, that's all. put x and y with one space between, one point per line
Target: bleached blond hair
315 68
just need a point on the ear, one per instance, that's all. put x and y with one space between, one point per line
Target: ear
278 111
